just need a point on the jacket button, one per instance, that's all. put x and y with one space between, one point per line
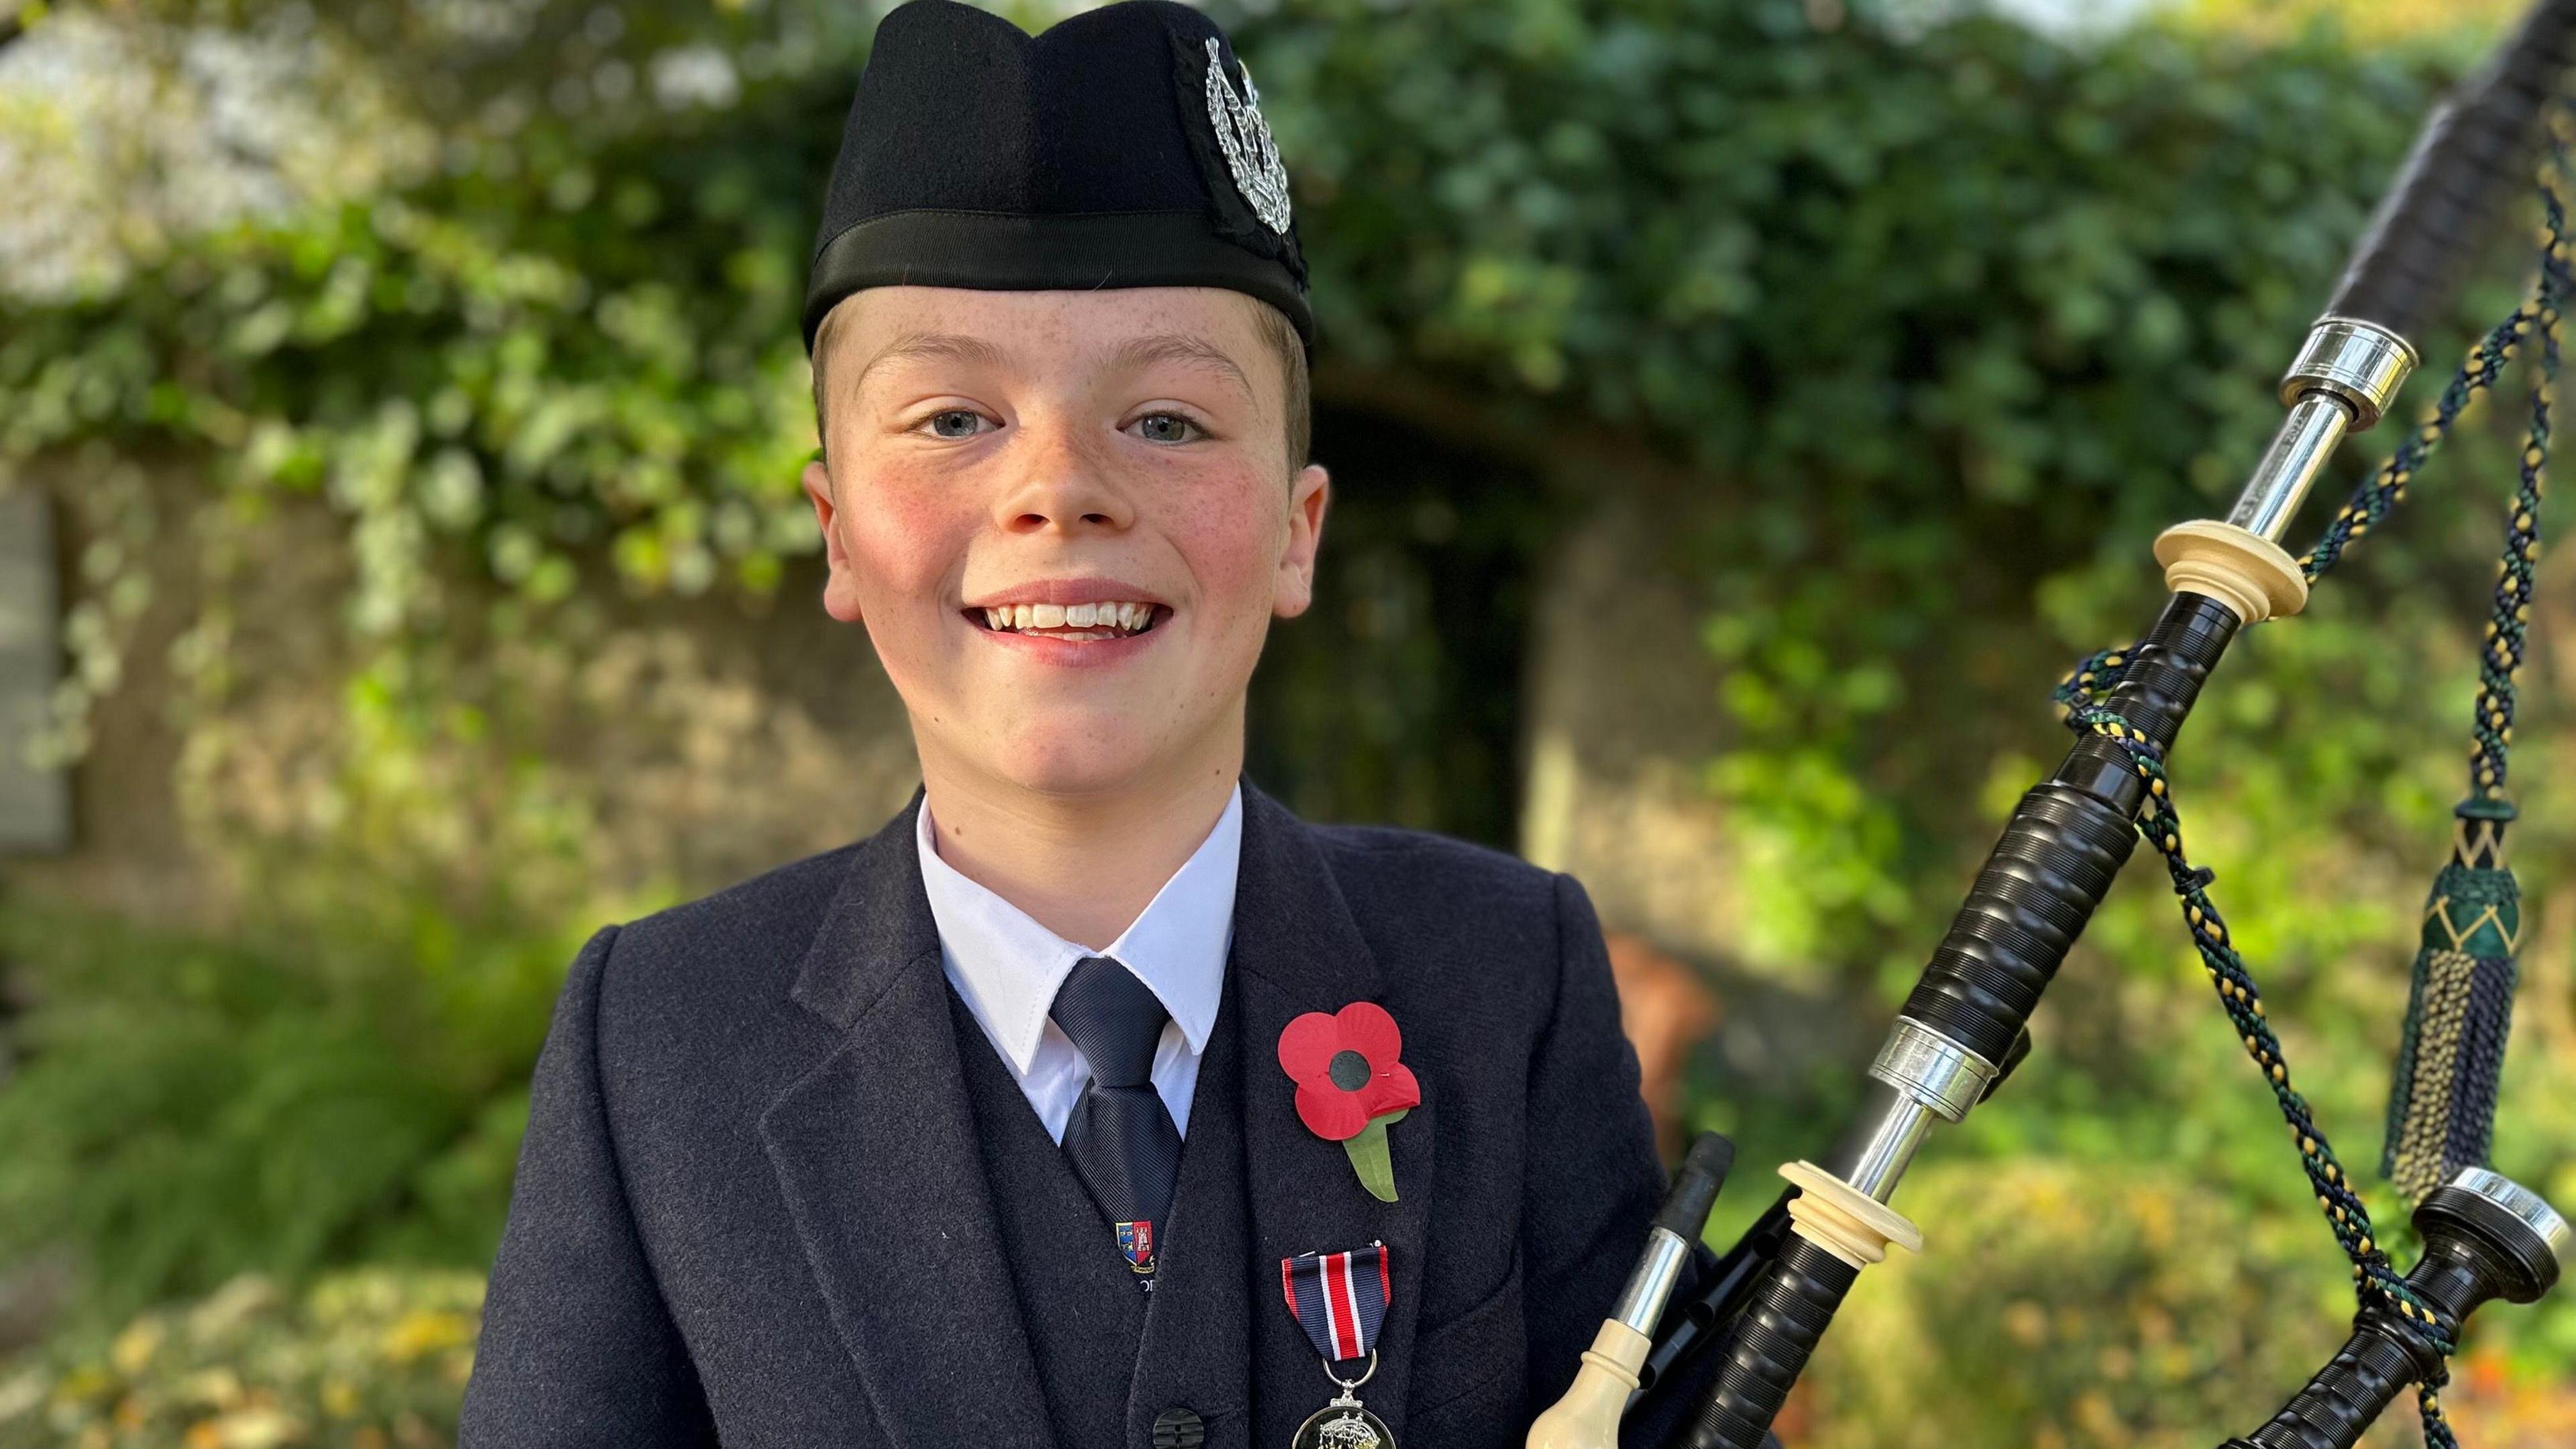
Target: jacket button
1179 1429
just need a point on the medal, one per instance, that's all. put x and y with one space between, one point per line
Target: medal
1340 1300
1343 1424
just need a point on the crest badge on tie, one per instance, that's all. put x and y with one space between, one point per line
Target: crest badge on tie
1245 138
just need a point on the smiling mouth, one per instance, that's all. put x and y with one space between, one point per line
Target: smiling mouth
1070 622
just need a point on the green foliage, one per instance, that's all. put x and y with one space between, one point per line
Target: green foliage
1958 318
188 1109
2029 1252
1969 261
375 1359
550 357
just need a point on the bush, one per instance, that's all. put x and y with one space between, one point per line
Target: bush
1997 1334
374 1359
190 1108
2066 1306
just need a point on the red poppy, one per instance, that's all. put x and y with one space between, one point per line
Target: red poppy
1346 1070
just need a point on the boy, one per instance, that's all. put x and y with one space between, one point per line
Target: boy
886 1147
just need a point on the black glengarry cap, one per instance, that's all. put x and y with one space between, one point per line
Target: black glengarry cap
1123 147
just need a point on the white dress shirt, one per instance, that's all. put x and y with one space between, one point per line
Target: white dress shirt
1007 968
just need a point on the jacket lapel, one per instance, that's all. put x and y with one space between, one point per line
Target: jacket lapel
874 1151
1296 950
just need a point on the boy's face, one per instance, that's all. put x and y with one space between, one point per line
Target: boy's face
1063 450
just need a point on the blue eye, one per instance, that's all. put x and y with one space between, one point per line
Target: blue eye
956 423
1167 428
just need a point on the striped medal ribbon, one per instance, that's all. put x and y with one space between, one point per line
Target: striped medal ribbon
1340 1300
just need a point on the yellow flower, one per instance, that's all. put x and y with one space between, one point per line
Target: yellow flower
85 1382
135 1346
257 1428
218 1386
424 1331
20 1393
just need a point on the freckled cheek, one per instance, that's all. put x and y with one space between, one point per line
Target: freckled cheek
1231 537
906 542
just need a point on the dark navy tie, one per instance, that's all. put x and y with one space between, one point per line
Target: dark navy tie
1120 1137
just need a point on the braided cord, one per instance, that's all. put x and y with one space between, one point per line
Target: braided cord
2161 824
2377 498
2510 617
2084 693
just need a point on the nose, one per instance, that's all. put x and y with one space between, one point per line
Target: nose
1060 485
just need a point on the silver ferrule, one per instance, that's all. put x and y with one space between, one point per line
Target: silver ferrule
1920 1077
2344 378
1642 1301
2361 363
1882 1141
1932 1069
2527 1207
2317 422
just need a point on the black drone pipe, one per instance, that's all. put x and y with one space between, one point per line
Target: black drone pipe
1724 1288
2472 158
1777 1292
2056 860
2485 1237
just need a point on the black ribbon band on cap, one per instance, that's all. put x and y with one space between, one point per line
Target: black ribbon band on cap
1012 252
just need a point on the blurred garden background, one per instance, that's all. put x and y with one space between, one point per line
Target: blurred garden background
1742 411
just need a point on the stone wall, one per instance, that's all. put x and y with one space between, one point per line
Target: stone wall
1621 719
35 802
705 739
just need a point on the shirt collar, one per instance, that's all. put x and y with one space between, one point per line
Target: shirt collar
1009 967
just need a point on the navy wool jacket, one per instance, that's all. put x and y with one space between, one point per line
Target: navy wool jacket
751 1208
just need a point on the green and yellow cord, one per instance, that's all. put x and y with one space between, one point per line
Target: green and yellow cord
2083 694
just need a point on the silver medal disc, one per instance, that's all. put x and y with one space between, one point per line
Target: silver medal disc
1343 1424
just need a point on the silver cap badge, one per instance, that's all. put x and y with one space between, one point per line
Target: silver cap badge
1245 137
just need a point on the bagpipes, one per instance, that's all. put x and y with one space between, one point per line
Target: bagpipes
1762 1306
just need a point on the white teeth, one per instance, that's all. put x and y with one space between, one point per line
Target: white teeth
1111 619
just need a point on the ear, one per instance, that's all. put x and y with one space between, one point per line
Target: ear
841 590
1294 587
